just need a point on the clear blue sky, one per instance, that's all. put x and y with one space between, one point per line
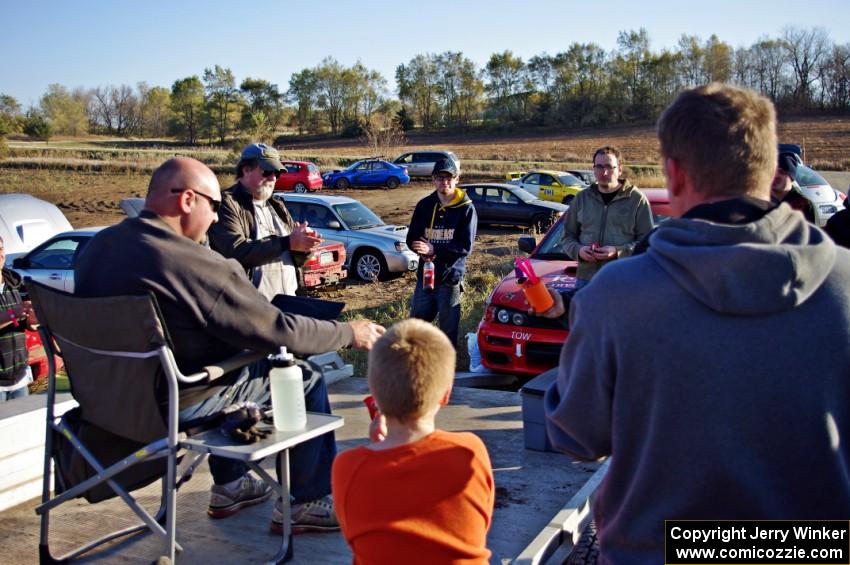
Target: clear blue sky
90 43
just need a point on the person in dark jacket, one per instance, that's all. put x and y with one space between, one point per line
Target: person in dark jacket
212 312
838 226
784 187
16 315
257 230
442 230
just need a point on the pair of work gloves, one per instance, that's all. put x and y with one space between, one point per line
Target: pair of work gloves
239 422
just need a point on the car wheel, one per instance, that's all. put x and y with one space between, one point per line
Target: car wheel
540 223
392 182
568 199
342 184
300 187
369 265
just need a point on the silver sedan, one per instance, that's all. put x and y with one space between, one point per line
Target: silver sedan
374 250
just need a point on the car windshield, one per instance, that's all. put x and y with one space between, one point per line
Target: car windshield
550 247
570 180
354 166
357 216
807 177
523 194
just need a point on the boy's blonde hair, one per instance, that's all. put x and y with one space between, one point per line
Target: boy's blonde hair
410 368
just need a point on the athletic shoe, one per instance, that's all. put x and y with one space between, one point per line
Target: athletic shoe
226 502
314 516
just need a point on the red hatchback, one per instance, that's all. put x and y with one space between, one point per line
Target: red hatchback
509 339
299 176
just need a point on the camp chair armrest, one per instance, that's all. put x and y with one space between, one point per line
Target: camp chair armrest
213 372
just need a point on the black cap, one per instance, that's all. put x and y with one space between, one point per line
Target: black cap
788 163
445 166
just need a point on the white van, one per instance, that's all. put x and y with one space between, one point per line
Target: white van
27 221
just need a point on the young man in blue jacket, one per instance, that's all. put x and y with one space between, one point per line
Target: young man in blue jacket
442 230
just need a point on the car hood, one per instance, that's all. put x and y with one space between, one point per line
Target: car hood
391 231
557 275
820 194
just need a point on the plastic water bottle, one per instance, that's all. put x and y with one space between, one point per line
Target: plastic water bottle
428 275
287 388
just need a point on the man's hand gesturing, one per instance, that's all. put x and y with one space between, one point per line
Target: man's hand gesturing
366 333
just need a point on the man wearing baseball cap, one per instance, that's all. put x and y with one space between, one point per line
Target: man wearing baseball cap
784 187
257 230
442 230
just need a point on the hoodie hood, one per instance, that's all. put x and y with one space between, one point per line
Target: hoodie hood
762 267
459 199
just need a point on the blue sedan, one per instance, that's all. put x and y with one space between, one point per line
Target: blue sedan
369 172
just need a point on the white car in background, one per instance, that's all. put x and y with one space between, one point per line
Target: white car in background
52 262
825 199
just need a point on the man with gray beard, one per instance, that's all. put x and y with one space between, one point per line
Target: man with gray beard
257 230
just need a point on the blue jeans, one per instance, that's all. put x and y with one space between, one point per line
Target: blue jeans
13 394
443 303
309 462
20 392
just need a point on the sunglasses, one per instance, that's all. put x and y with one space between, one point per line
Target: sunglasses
270 174
214 204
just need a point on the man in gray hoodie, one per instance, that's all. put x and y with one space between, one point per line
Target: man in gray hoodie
733 401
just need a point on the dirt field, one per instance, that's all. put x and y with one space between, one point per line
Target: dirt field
825 142
90 198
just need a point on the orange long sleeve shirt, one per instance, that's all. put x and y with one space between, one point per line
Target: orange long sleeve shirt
430 501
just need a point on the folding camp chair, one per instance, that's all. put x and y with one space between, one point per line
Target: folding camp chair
124 434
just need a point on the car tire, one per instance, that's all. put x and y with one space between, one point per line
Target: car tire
300 187
392 182
568 199
369 265
540 223
342 184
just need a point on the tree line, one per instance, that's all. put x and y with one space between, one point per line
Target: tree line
802 71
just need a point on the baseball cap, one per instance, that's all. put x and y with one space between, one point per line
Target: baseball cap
445 166
268 157
788 163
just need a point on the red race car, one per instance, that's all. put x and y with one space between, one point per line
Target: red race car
299 176
512 341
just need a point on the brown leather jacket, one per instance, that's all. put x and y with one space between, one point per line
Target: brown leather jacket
235 233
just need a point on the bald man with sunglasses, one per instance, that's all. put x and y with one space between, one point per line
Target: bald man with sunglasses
212 312
257 230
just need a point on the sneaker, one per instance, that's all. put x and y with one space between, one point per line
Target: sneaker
226 502
314 516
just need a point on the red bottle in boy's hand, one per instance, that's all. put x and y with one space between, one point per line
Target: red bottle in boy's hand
369 401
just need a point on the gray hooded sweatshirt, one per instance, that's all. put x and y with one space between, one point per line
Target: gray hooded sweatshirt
715 371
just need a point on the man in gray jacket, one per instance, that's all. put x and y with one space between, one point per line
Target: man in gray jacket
607 219
212 312
685 364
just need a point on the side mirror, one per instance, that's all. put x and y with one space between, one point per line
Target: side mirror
334 225
20 263
527 243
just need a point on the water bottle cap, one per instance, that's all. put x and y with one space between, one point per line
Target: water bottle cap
283 359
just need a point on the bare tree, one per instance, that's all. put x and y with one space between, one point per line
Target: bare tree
805 49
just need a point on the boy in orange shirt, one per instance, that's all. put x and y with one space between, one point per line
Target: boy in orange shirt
416 494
